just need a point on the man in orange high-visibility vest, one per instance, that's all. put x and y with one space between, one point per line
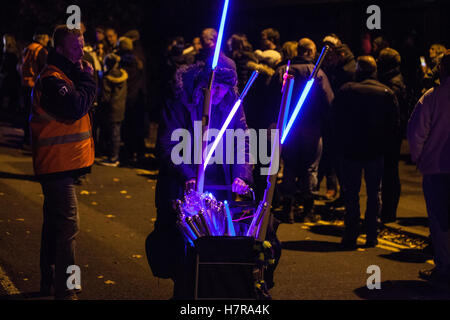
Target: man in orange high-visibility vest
63 149
34 58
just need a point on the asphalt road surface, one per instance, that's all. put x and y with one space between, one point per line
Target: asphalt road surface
117 212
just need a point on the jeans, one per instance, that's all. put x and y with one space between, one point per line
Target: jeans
60 226
436 189
352 174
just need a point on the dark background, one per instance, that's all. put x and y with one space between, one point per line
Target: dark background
158 20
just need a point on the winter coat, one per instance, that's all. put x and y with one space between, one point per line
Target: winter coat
393 79
315 109
136 78
429 130
181 112
344 71
114 95
365 120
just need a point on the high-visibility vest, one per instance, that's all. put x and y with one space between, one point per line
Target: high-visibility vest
29 64
58 145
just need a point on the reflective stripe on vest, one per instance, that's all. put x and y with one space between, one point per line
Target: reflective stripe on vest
58 145
64 139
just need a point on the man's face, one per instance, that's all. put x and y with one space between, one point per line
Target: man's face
100 36
72 48
111 36
197 44
218 92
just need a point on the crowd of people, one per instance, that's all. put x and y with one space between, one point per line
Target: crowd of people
119 114
353 122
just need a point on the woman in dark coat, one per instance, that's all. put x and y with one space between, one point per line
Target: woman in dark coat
168 253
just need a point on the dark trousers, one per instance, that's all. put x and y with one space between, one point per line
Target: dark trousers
300 170
327 165
436 189
112 139
134 129
60 226
352 174
391 184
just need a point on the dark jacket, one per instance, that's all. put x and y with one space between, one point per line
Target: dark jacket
243 69
181 112
74 104
136 77
393 79
365 119
344 71
114 95
316 107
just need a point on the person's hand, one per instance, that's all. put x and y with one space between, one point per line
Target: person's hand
190 184
87 67
239 186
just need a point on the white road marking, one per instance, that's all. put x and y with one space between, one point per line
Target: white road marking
7 284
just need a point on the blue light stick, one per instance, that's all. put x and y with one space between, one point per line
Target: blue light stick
220 35
305 93
207 97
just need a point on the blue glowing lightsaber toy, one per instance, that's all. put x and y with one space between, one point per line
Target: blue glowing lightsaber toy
305 93
230 117
207 97
220 35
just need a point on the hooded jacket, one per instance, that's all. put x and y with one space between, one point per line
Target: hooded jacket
114 95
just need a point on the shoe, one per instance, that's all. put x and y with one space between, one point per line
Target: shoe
311 217
371 243
435 278
109 163
348 245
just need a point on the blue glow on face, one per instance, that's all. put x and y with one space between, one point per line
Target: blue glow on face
220 35
297 108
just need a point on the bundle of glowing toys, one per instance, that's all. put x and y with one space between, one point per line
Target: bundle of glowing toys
200 215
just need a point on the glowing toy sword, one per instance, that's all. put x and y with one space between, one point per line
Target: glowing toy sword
304 94
207 96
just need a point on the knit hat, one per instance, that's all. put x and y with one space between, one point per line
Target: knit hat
125 44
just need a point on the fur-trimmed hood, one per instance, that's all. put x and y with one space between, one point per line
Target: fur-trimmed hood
117 75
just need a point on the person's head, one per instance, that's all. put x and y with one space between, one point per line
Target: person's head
42 38
111 36
218 92
270 39
9 43
436 50
378 44
99 34
334 52
388 59
133 34
306 49
196 42
208 38
239 42
82 28
111 61
444 66
125 44
366 67
69 43
176 46
289 50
